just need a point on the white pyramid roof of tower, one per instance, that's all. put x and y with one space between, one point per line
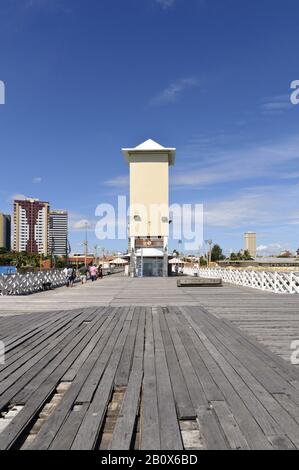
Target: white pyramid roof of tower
150 146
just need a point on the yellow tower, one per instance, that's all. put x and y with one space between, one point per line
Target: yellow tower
149 207
250 243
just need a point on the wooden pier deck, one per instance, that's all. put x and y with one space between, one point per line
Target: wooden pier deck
169 369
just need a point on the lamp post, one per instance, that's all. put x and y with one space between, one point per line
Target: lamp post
67 251
95 253
209 242
199 258
52 253
179 243
85 246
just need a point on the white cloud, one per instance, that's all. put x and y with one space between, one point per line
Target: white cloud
121 181
242 210
174 91
81 224
259 161
276 104
271 249
18 197
166 3
37 180
272 206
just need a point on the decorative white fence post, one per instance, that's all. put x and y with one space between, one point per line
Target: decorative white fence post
263 280
291 283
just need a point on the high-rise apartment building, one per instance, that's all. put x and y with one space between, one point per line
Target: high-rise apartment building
31 226
250 243
5 231
58 232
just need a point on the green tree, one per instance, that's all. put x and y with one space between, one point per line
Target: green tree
246 255
203 261
216 253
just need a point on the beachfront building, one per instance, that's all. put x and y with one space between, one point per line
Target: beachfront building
31 223
149 208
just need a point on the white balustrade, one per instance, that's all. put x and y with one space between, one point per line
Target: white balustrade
275 281
29 283
25 284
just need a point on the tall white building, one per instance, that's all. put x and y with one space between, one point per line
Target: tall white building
30 226
58 232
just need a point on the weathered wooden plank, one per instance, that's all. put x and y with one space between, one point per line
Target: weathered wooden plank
64 439
51 428
241 385
89 430
229 425
209 428
286 423
273 363
180 390
45 342
21 376
150 431
210 389
124 427
169 429
62 358
123 370
193 384
246 421
40 395
111 335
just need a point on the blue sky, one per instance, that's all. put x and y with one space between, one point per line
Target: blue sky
209 77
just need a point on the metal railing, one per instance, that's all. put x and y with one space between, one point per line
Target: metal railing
30 283
279 282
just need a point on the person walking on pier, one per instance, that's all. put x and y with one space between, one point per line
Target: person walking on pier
70 278
83 274
93 272
100 270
